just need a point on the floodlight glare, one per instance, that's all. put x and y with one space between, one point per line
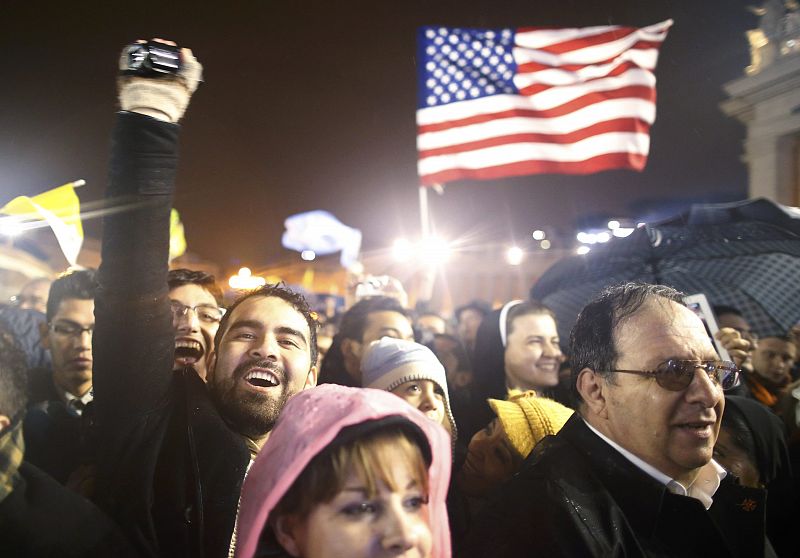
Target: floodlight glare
538 234
603 237
622 232
545 244
514 255
582 250
10 227
308 255
434 250
613 225
402 250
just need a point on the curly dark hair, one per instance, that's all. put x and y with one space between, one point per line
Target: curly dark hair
278 290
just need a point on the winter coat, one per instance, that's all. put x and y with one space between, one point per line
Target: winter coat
169 468
578 496
310 421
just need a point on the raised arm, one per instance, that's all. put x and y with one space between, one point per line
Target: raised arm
133 339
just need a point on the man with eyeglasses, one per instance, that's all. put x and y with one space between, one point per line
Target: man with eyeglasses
67 334
59 396
195 300
631 473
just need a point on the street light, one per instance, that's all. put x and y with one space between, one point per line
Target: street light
402 250
245 280
538 234
308 255
434 250
514 255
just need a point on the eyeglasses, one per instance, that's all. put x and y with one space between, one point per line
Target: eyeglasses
70 329
205 312
676 375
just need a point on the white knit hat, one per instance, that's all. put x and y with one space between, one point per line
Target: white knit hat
389 362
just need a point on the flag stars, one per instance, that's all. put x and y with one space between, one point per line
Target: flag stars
467 64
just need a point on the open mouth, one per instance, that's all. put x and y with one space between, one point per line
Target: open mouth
700 428
261 378
188 352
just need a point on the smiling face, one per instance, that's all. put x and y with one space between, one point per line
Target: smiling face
424 395
393 522
674 431
532 355
264 357
70 345
194 329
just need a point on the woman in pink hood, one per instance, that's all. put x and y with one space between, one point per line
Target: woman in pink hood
348 472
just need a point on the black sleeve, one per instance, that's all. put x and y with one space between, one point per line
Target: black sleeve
133 342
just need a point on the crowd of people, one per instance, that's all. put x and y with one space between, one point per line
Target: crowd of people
142 416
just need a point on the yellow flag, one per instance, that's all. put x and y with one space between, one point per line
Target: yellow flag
177 239
60 209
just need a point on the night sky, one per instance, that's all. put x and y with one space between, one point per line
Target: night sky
311 105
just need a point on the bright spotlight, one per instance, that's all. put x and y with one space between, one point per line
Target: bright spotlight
583 237
538 234
514 255
613 225
622 232
10 227
545 244
308 255
434 250
582 250
245 280
603 237
402 250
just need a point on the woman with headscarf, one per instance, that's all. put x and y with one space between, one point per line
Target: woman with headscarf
751 446
517 347
348 472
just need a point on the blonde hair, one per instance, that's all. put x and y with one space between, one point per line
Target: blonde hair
368 455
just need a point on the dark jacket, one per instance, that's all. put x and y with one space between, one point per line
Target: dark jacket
42 518
577 496
54 439
169 468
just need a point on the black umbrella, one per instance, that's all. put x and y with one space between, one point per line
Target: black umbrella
743 254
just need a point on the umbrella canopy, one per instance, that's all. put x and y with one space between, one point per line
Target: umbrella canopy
743 254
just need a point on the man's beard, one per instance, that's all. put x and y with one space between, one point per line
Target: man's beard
249 413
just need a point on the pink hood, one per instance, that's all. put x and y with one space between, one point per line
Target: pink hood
308 423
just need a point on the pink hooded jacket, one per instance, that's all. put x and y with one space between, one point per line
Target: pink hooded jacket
309 422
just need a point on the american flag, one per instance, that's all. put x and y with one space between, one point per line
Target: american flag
506 102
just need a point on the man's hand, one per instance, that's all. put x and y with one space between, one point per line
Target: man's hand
738 347
164 98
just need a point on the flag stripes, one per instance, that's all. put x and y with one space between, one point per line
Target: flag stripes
571 101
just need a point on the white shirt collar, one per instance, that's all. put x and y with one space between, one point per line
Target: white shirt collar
84 399
703 488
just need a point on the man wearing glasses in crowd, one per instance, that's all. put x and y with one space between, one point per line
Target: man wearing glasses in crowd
631 473
196 303
59 395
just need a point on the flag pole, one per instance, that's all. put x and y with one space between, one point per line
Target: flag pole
424 215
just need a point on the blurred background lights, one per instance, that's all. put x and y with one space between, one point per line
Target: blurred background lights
538 234
514 255
582 250
308 255
545 244
245 280
434 250
613 225
602 237
402 250
622 232
10 227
